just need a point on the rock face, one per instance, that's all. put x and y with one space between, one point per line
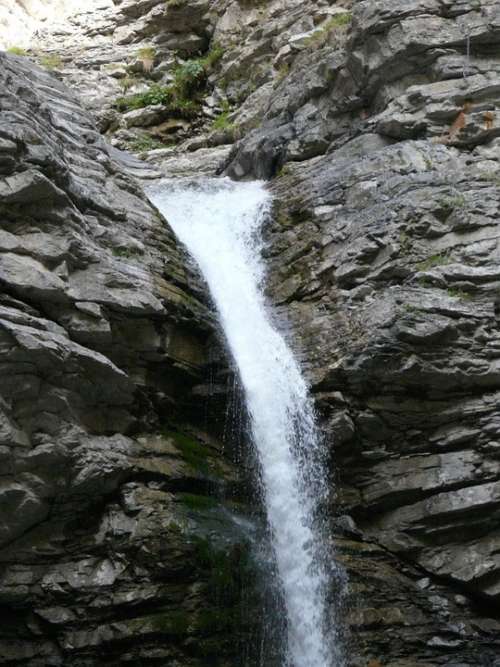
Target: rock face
377 123
387 266
384 255
109 548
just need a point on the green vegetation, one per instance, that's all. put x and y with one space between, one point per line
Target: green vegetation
17 51
282 73
171 622
166 95
52 61
459 294
222 121
126 252
175 3
213 56
146 143
284 171
192 451
189 78
127 82
155 95
336 24
339 20
147 52
196 502
227 569
404 243
457 201
434 260
146 56
182 97
425 281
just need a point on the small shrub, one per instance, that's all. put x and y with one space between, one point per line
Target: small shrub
189 78
183 95
222 122
17 51
155 95
339 20
284 171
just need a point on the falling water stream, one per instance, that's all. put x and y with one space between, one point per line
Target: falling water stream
219 222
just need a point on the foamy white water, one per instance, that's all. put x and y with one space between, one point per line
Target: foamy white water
219 222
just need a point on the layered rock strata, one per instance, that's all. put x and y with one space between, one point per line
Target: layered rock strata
110 549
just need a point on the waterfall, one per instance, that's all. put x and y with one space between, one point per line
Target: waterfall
219 222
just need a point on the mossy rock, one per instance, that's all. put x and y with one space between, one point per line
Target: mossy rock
195 454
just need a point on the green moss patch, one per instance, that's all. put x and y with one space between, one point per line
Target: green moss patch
192 451
196 502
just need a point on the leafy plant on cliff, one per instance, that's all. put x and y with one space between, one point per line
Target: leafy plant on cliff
182 97
155 95
189 78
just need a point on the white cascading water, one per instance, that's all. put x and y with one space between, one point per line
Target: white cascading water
219 222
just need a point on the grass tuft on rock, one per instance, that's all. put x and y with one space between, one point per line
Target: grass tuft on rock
51 61
337 24
17 51
433 261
